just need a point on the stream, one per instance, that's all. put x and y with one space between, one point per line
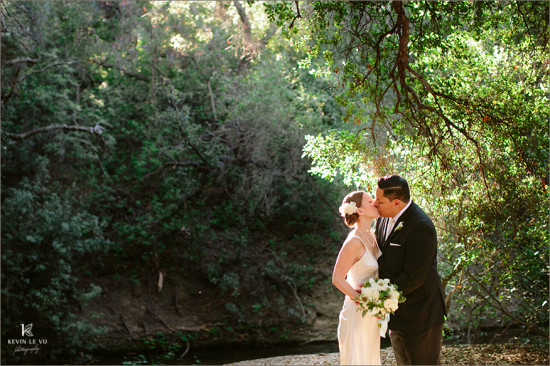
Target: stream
228 354
225 355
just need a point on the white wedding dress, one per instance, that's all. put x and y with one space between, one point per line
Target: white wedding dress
358 337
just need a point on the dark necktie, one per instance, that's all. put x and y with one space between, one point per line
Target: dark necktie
386 221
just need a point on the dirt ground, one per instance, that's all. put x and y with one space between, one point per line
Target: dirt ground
481 354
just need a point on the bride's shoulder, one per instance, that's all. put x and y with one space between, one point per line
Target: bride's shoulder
350 236
351 240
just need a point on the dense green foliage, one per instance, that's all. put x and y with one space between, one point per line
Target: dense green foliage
454 96
141 138
147 137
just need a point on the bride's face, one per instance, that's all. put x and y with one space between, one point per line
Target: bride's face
367 204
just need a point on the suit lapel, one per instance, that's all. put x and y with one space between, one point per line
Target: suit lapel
393 232
402 219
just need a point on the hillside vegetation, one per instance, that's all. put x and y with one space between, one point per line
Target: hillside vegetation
171 171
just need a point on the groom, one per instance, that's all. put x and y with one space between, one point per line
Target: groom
408 241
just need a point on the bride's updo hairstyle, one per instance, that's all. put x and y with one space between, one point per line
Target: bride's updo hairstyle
355 197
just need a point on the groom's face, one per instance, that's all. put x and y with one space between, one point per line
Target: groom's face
385 207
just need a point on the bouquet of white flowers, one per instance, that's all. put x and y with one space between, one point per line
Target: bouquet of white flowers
379 298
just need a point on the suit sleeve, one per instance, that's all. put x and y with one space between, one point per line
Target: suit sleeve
418 258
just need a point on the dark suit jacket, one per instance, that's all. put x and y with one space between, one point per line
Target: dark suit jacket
409 260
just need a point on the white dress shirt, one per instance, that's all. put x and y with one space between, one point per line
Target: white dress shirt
393 220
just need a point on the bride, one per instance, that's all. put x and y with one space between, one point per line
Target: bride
358 337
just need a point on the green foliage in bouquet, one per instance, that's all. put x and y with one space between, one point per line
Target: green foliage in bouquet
379 297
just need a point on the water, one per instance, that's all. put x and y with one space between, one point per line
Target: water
220 356
229 354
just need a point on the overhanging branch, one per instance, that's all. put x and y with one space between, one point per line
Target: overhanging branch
298 15
21 60
123 69
97 129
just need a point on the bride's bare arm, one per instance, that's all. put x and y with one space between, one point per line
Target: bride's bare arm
350 252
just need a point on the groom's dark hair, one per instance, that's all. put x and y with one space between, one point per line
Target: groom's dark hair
395 187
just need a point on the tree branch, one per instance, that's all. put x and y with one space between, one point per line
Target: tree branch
403 54
402 62
165 165
18 79
497 305
270 33
298 15
22 59
244 20
97 129
23 77
212 101
209 86
444 284
123 69
251 47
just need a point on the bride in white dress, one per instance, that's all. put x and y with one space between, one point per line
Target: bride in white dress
358 337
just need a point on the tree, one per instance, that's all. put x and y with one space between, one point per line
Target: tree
169 128
454 95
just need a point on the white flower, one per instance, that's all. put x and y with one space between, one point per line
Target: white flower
348 208
372 302
390 304
370 293
399 227
374 311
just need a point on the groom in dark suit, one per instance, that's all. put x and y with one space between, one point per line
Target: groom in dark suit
408 241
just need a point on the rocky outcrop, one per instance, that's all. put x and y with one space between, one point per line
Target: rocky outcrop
131 311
